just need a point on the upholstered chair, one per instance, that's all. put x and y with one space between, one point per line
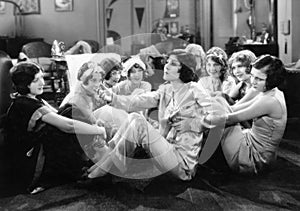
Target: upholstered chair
37 49
5 90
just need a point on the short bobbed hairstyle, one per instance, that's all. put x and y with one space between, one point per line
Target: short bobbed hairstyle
245 57
273 67
188 65
22 74
110 64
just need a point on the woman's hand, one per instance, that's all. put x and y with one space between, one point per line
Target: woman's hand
182 124
100 122
215 111
105 94
101 131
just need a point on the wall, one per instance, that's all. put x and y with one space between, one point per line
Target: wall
242 13
82 22
186 13
295 30
289 45
66 26
222 22
123 20
7 24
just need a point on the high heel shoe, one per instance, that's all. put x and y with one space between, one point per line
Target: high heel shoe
36 190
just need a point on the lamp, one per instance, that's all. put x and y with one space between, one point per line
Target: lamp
251 19
18 19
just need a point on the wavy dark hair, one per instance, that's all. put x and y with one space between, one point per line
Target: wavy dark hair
219 56
188 65
22 74
273 67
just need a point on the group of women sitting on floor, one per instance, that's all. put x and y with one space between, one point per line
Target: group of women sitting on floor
99 126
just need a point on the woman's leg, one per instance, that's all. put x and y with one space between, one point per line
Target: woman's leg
138 132
234 146
231 137
230 143
111 118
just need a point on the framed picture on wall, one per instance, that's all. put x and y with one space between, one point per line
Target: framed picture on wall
172 9
2 7
174 28
28 7
63 5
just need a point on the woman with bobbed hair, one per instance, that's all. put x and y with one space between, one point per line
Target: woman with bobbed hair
28 119
240 67
218 79
112 68
255 149
178 98
134 70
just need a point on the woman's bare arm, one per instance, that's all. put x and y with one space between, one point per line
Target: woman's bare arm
71 125
262 105
240 106
249 96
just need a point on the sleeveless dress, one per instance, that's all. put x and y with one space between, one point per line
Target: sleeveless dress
258 145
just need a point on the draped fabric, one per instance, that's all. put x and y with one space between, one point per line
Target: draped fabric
25 129
182 149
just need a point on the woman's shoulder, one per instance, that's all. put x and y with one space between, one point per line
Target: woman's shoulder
193 84
267 99
166 85
274 104
26 102
272 96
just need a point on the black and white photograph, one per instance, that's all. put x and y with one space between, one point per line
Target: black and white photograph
149 105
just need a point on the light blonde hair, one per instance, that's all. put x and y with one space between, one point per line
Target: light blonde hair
86 71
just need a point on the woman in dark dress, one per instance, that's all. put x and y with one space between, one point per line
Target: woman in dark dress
31 128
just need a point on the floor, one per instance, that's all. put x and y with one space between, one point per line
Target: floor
278 189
